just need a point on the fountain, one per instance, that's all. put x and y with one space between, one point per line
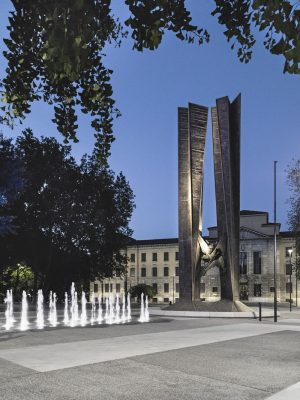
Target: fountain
106 309
24 324
117 310
93 312
146 310
66 320
9 313
117 313
144 314
123 317
110 319
74 306
83 317
40 324
128 308
52 309
100 318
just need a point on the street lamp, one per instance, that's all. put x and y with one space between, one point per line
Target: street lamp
173 288
290 252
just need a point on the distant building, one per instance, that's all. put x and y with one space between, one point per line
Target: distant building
155 263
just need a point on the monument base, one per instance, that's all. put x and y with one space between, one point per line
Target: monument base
211 306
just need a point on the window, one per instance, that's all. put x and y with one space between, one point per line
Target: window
106 288
257 290
154 256
288 269
177 271
154 300
287 253
166 287
166 271
166 256
95 288
143 257
215 289
176 256
243 262
154 271
154 285
166 300
118 287
132 272
143 272
289 287
257 262
111 287
177 287
132 257
272 289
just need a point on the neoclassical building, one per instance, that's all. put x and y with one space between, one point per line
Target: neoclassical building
155 262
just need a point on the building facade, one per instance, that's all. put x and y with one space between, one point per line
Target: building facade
156 263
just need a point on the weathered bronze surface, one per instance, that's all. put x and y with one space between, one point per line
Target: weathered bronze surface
192 125
196 256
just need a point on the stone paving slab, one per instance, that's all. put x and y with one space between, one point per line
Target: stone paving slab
290 393
65 355
242 369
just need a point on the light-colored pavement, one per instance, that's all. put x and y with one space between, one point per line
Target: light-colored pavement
66 355
166 359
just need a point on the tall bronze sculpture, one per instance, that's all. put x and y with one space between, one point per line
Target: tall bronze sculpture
196 256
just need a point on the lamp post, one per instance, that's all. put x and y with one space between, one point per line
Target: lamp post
290 252
173 288
275 247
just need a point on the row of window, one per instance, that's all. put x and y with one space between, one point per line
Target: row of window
166 287
154 272
154 256
257 263
108 287
243 257
257 289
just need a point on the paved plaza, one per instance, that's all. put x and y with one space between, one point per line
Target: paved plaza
167 358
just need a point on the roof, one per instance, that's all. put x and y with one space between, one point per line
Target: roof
252 212
289 234
154 241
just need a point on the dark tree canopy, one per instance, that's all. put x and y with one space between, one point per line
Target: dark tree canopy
137 290
71 220
55 51
11 183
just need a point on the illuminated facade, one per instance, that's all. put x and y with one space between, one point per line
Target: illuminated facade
156 263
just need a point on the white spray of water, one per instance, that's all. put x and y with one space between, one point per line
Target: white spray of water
106 309
100 317
24 324
66 310
146 311
142 312
123 317
40 323
9 313
52 310
83 317
74 306
117 313
93 312
110 319
128 307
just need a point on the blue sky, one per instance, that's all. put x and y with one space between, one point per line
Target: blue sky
148 88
